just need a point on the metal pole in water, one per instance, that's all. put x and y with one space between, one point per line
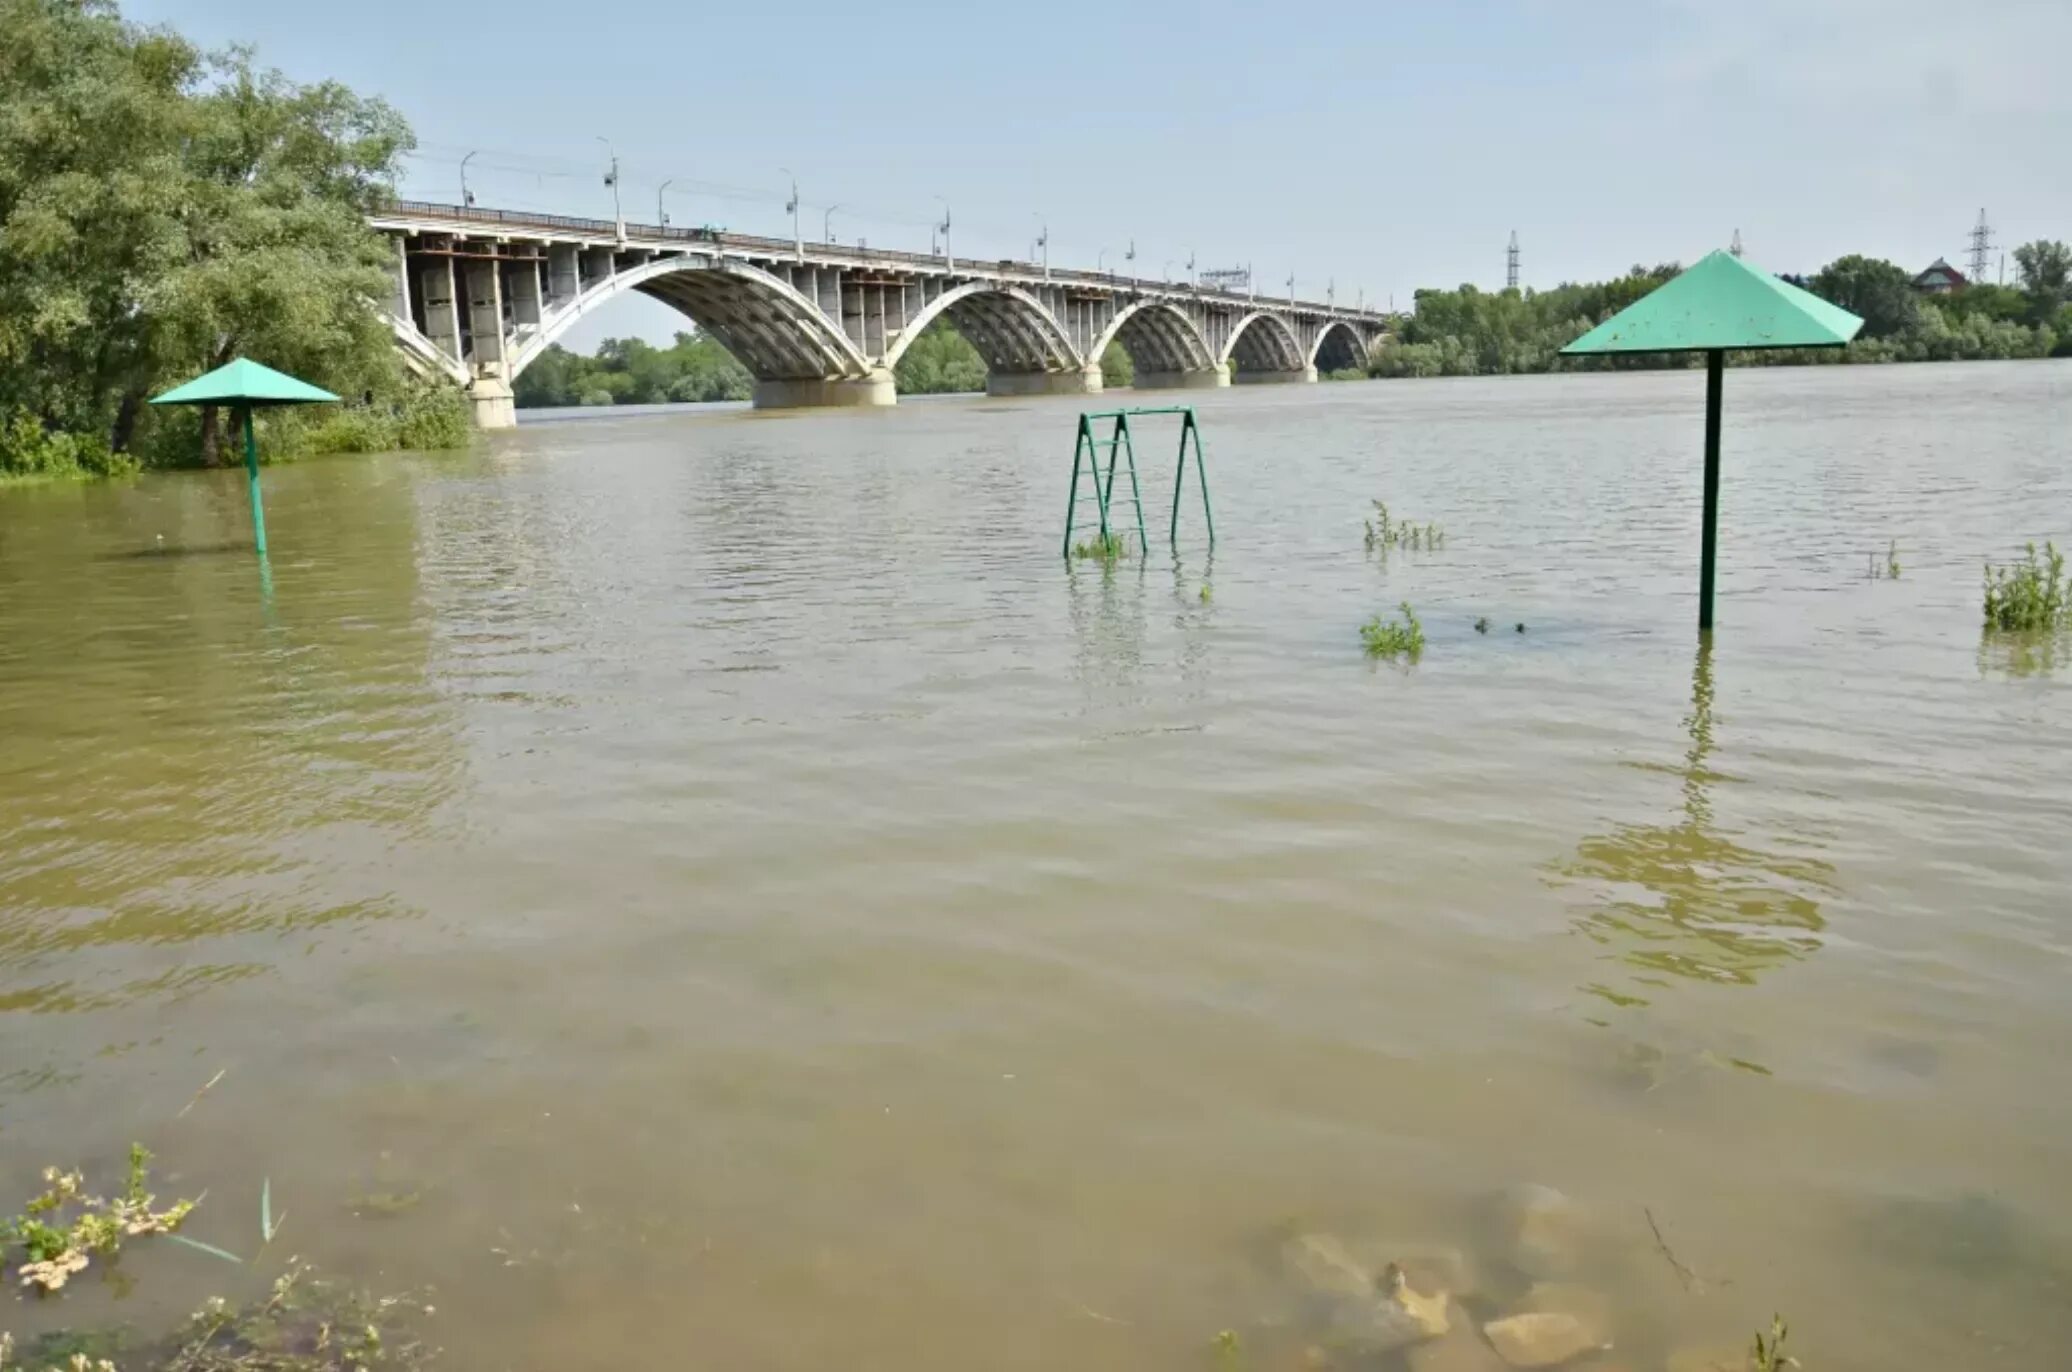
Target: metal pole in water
1708 557
252 482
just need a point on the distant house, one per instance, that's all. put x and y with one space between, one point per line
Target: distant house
1940 279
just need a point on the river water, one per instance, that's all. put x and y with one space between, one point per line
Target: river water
717 889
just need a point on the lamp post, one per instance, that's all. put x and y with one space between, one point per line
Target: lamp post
1043 242
1131 258
661 214
791 207
827 224
467 197
949 260
1192 279
611 178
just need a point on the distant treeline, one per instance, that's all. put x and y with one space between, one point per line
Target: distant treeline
1470 332
628 371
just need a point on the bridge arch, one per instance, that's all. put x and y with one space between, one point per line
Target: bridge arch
1009 327
1158 336
772 329
1339 347
1264 342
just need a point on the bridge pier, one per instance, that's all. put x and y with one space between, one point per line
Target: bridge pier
1245 378
494 407
1083 382
786 393
1207 379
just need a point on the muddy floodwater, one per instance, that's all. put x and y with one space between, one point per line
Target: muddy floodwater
716 889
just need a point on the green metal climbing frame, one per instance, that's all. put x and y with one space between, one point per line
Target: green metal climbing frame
1087 450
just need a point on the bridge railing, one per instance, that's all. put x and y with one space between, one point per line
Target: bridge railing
759 245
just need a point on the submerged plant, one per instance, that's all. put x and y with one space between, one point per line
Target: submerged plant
1387 638
1106 547
1384 531
62 1229
2031 594
1892 561
1769 1355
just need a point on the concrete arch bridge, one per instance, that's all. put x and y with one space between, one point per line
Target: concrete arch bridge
481 293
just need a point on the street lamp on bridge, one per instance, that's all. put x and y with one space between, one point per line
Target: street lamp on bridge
948 259
661 214
1043 242
611 178
467 197
827 223
791 207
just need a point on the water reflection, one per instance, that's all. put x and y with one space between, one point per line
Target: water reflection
1687 899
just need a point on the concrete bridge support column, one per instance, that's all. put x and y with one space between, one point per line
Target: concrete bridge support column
441 309
1276 378
786 393
1086 381
564 273
494 407
1206 379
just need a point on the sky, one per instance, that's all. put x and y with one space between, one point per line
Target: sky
1372 148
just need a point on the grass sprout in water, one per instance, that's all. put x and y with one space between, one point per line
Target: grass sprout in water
1108 547
1384 531
2029 595
1388 638
1768 1355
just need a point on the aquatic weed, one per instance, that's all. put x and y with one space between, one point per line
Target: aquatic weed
1107 547
62 1229
1769 1355
1391 639
1384 531
2029 595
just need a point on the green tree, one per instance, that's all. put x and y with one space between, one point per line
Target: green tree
2046 271
92 117
940 360
161 212
279 262
1879 292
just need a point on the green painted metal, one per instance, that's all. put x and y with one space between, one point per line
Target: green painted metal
1121 449
244 412
244 385
1708 553
245 382
1722 302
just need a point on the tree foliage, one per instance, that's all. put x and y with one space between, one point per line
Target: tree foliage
163 210
1468 332
631 371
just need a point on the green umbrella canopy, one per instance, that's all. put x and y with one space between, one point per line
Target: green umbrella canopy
1722 302
245 382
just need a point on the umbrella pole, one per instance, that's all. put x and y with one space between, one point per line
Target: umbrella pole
1708 557
259 511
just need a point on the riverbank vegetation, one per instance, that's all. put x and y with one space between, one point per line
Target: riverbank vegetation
1470 332
627 371
164 210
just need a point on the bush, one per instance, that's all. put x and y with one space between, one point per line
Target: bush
2032 594
596 395
424 417
28 450
433 416
1390 639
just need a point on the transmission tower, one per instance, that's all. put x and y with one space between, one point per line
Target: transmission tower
1981 247
1511 263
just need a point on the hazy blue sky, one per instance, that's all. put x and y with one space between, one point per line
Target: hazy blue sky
1382 146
